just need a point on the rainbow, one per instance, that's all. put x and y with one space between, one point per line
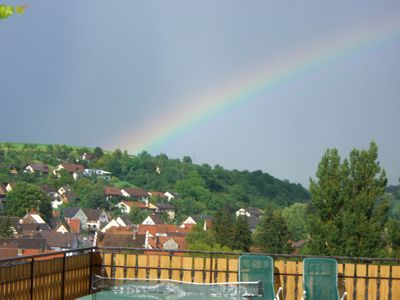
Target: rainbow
197 111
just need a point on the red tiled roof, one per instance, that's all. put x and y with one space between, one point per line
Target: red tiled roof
139 205
112 191
39 167
8 252
152 243
75 225
161 228
124 239
27 252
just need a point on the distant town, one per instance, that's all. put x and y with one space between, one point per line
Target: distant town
56 197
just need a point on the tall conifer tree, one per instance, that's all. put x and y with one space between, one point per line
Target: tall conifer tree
348 209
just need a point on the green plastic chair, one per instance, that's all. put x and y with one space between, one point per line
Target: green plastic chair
320 279
259 268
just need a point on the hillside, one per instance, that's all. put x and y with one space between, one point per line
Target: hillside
201 188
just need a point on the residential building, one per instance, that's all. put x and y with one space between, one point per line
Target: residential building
37 168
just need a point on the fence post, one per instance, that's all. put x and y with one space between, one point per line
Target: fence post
90 271
211 267
63 279
32 277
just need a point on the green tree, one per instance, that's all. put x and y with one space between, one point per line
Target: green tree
295 217
393 237
193 187
348 209
92 196
98 153
242 234
199 239
137 215
25 197
224 227
272 234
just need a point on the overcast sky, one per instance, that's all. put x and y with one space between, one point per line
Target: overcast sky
95 73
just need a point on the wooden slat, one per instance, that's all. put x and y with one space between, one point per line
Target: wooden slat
153 266
280 265
187 264
361 282
107 261
176 263
130 263
349 280
290 280
221 268
395 282
233 267
164 263
198 265
372 283
119 265
384 282
299 281
209 276
142 265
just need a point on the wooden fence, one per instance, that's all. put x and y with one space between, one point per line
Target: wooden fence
68 275
362 279
47 276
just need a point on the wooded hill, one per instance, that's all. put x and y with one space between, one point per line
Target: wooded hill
202 189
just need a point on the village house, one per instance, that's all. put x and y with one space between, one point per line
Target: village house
96 218
189 222
32 218
71 214
253 215
170 196
75 170
112 192
136 193
11 247
125 206
69 197
10 186
118 222
166 208
153 220
97 173
90 218
249 212
62 190
56 199
121 237
60 241
36 168
12 171
87 156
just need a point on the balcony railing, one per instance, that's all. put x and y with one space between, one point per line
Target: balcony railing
68 274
